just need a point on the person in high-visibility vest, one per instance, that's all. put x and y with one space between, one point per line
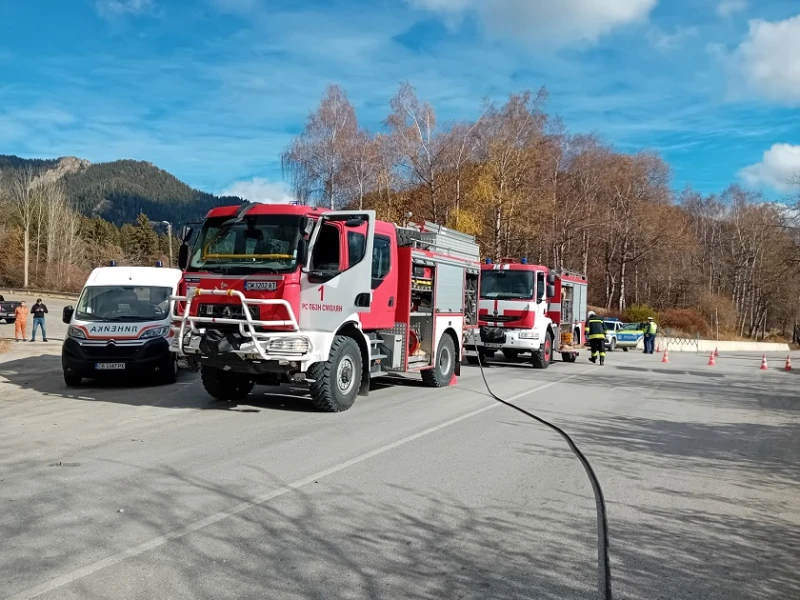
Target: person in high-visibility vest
650 330
596 334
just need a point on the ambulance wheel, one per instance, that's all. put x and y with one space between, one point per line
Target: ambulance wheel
511 354
569 357
544 355
445 365
225 385
624 349
72 380
613 345
169 371
335 383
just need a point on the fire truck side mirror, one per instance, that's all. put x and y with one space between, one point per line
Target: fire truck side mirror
302 252
551 279
551 291
186 233
183 256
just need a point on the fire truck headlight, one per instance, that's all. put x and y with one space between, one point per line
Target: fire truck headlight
289 345
529 335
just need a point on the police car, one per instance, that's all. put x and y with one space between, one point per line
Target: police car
613 327
629 335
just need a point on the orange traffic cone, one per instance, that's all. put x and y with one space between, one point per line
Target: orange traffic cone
453 379
716 352
666 356
788 366
711 361
658 348
764 362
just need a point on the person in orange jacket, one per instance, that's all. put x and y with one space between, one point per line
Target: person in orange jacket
21 322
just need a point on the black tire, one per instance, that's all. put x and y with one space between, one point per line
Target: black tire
444 366
406 237
72 380
337 381
11 321
225 385
612 346
624 349
169 372
473 360
544 355
569 357
511 354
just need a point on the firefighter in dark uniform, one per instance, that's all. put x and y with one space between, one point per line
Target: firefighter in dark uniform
596 334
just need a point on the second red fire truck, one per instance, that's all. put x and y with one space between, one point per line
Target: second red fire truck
529 309
284 293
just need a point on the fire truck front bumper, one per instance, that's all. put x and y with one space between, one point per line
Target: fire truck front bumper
499 338
268 353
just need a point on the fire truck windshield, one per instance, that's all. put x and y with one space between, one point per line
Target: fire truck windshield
258 242
508 285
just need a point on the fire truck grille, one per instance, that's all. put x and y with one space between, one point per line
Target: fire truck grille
499 318
226 311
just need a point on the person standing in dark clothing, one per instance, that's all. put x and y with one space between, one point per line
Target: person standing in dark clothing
39 310
596 334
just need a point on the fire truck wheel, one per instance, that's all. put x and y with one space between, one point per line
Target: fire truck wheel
544 355
337 381
511 354
442 371
224 385
569 357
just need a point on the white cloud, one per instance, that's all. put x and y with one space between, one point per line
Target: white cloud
779 169
667 42
726 8
546 20
766 63
114 8
259 189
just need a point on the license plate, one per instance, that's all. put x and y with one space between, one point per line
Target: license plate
109 366
494 346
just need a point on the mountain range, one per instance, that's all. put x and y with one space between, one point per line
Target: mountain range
118 191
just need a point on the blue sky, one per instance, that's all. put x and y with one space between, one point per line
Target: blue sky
213 90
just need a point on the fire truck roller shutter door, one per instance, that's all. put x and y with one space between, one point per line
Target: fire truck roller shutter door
449 296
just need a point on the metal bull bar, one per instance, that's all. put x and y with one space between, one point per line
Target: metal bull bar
246 325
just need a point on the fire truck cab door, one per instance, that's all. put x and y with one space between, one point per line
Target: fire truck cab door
334 285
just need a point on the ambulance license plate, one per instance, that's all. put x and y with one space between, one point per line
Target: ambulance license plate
109 366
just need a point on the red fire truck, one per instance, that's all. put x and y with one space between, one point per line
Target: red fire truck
527 308
285 293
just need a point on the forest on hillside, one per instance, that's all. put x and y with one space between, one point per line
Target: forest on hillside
525 185
119 191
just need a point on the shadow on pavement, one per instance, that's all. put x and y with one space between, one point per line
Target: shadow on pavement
43 374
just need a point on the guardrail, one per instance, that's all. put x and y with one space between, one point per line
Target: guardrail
38 292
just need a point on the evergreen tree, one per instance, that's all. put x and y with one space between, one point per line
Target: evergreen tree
144 243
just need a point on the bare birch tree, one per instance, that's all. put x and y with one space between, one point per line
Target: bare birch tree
317 159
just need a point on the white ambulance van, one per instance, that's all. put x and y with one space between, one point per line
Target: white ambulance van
121 326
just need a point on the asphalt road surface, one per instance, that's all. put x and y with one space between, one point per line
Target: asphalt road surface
139 491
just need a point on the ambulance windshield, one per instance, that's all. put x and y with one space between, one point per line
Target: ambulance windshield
507 285
123 303
258 242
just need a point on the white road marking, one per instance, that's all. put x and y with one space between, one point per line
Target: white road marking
134 551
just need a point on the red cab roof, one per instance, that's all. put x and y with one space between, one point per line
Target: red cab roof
266 209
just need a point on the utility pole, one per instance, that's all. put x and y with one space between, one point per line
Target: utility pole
169 238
